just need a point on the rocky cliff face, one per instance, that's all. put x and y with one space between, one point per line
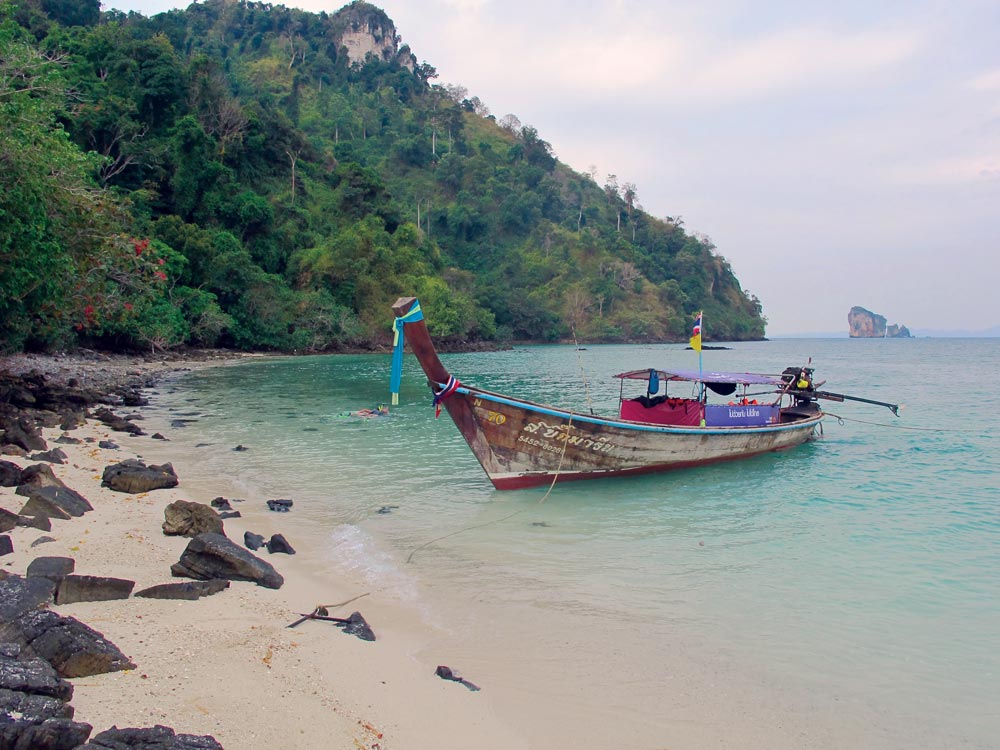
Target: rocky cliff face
367 30
864 324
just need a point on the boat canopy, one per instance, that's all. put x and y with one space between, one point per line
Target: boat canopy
738 378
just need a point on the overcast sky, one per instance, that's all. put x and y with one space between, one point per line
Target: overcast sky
837 154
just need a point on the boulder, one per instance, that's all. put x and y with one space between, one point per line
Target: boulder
150 738
252 541
8 520
279 506
214 556
189 590
133 476
230 514
20 431
67 439
54 456
221 503
183 518
278 543
9 449
56 502
42 540
34 709
116 423
51 734
6 545
35 476
72 648
40 505
74 588
109 445
40 522
19 595
53 568
32 676
10 474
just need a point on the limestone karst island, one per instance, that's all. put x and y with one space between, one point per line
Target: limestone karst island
864 324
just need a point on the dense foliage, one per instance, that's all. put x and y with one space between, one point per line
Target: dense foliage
224 175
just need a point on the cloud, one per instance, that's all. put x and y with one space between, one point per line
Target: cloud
988 81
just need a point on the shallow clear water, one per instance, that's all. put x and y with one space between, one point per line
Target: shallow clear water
851 583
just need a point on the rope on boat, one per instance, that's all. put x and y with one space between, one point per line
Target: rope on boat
555 478
841 420
583 376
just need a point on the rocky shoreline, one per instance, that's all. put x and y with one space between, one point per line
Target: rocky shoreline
111 525
40 649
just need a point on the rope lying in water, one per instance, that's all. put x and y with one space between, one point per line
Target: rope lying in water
555 477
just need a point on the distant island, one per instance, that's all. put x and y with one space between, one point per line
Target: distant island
864 324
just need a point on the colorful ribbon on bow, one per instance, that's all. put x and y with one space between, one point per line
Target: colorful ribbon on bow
396 374
449 388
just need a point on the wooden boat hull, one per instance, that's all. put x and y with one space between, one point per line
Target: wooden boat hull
520 444
523 444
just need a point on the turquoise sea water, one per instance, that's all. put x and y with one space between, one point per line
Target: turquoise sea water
848 590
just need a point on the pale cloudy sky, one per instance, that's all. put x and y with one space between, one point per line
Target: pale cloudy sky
837 154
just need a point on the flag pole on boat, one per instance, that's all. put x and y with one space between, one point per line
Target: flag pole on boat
696 345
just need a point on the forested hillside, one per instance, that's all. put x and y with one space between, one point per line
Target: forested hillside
227 176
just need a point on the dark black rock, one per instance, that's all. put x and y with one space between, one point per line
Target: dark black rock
42 523
42 540
446 673
153 738
62 500
214 556
53 568
33 676
8 520
68 440
19 595
34 709
116 423
6 545
279 506
133 476
278 543
188 590
72 648
230 514
108 445
158 436
221 503
10 474
386 509
54 456
74 588
253 541
22 432
35 476
240 448
357 626
51 734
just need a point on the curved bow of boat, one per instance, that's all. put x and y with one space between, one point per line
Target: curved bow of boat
420 343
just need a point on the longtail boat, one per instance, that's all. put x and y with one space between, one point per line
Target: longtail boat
523 444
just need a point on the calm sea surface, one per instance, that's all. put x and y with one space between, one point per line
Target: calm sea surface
849 588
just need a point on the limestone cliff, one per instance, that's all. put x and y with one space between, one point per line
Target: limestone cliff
864 324
365 30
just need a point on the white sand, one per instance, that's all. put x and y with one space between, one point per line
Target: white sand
227 665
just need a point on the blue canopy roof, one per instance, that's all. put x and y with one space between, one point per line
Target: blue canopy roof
740 378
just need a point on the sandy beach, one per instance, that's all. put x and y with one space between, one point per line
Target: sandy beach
227 665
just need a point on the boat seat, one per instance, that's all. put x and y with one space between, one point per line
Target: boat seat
661 410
